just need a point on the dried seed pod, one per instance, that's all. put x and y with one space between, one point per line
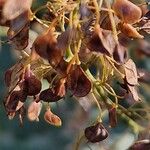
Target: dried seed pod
46 47
33 84
8 74
3 21
96 133
13 8
112 116
78 83
34 110
13 102
52 118
18 32
131 72
120 53
102 41
20 40
130 31
49 95
127 11
141 145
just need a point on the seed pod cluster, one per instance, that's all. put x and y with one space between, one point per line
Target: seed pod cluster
79 50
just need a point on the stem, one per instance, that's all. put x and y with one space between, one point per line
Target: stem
113 24
79 140
97 11
40 21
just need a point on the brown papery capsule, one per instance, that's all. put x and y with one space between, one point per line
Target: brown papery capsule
130 31
127 11
52 118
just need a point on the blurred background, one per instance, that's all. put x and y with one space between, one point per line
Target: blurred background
42 136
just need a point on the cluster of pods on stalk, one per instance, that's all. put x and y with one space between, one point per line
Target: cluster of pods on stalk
75 38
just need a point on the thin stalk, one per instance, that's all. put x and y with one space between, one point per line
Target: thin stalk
113 24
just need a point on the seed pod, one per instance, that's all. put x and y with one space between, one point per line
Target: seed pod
8 74
127 11
130 31
13 101
46 47
120 53
141 145
52 118
3 20
78 83
131 72
33 84
34 110
112 116
96 133
102 41
49 95
18 32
